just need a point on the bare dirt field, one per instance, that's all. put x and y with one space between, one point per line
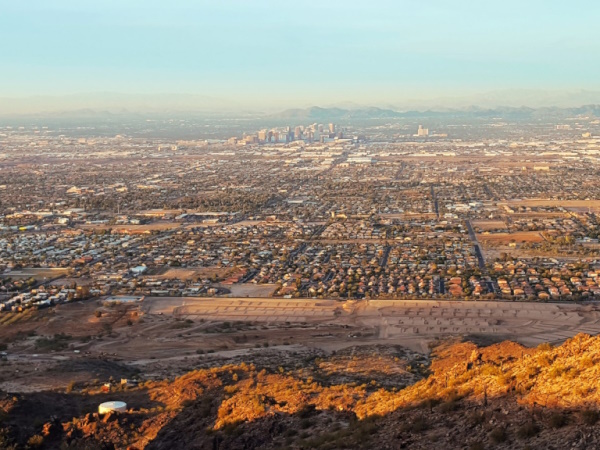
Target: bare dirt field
401 320
491 254
593 204
155 226
164 336
507 238
411 215
487 225
38 274
169 273
249 289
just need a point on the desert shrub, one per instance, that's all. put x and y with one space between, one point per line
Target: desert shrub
586 362
230 390
306 423
504 379
430 403
307 411
498 435
556 371
70 386
366 427
57 342
35 441
571 373
490 370
544 360
590 416
233 428
545 347
477 418
449 406
419 425
557 420
532 371
527 430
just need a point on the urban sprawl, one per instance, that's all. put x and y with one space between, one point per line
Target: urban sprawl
497 210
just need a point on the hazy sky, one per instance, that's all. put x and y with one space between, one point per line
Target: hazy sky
300 50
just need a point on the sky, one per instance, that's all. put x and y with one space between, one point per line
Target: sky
267 52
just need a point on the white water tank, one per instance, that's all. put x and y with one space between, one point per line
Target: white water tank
107 407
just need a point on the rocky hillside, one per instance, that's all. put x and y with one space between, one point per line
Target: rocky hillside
502 396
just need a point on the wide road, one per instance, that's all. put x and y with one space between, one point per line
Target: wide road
478 253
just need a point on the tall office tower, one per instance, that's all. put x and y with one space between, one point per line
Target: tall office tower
298 133
332 128
282 137
320 128
270 136
262 136
422 131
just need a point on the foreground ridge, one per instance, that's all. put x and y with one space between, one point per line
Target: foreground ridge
501 396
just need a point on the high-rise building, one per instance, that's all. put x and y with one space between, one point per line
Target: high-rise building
282 137
422 131
332 127
298 133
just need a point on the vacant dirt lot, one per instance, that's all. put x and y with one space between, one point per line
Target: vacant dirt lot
249 289
507 238
38 274
155 226
405 322
487 225
593 204
163 337
169 273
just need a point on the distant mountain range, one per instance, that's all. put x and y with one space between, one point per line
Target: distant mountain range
319 114
506 104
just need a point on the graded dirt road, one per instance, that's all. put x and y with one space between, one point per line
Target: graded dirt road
165 336
400 321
